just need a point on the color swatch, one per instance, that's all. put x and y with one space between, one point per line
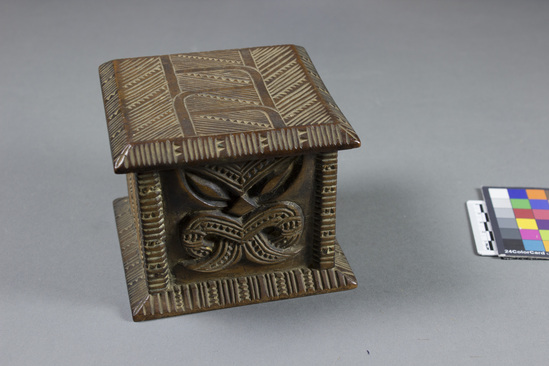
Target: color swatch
520 220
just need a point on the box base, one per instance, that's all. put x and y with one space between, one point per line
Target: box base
220 293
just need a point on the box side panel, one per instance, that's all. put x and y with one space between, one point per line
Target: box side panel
239 218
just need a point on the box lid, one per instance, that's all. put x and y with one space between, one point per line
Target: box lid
173 110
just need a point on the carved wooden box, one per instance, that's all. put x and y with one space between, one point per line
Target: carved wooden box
231 163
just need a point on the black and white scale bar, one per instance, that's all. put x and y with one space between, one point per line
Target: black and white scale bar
482 228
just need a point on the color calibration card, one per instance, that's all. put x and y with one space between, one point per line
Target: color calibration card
519 219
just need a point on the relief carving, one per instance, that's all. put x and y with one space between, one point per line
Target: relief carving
244 219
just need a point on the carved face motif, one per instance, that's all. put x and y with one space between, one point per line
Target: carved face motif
244 219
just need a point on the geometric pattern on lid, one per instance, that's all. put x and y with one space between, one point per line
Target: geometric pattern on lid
172 110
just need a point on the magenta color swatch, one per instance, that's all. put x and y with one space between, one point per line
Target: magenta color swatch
530 234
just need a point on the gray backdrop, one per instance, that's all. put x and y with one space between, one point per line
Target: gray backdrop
447 96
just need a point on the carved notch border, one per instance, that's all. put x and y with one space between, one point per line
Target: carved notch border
222 293
325 210
145 195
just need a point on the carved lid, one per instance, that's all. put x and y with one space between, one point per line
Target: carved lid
164 111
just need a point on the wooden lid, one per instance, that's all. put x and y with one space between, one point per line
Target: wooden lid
172 110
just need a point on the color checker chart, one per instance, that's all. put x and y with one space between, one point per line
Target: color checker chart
519 220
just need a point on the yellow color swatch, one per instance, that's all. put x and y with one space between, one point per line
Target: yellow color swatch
527 224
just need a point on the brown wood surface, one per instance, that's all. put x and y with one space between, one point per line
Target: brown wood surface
173 110
231 162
